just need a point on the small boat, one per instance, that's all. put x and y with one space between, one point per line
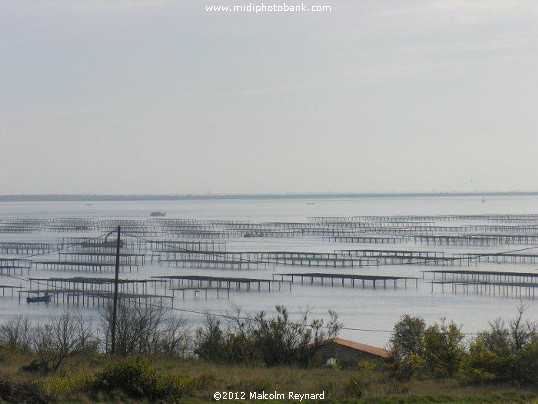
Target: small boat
39 299
157 214
253 235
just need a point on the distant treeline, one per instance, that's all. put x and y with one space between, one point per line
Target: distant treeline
157 197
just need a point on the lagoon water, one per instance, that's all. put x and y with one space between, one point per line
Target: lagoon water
368 315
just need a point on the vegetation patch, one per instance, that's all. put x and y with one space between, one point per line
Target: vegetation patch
21 390
138 379
60 361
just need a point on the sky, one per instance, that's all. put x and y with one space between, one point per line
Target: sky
156 96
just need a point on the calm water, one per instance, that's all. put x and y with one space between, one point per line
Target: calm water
364 309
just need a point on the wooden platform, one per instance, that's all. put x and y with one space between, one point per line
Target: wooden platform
374 280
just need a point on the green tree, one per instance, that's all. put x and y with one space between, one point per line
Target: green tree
443 348
526 363
408 335
281 341
210 341
407 347
270 341
506 352
481 364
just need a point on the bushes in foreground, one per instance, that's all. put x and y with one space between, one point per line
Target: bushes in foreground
256 340
127 378
50 342
506 352
139 330
137 378
17 390
146 330
265 341
173 380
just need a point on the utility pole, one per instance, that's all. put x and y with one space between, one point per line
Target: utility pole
115 307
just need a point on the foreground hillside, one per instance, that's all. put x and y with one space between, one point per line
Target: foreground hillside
101 379
262 358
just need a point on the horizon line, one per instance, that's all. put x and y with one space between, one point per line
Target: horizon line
279 195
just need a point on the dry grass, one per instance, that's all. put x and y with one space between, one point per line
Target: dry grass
344 385
339 385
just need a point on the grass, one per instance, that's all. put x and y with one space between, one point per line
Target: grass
100 379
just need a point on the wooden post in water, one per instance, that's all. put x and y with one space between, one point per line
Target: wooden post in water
115 307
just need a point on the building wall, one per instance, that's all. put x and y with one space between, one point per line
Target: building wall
346 357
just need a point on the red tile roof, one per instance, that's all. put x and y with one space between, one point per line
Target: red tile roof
372 350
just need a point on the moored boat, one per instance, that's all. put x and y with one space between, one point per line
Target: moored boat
37 299
157 214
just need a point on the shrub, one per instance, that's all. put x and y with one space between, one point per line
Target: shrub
33 367
15 334
406 347
62 386
443 349
61 338
504 353
135 378
355 387
408 336
497 338
367 376
21 390
367 366
526 364
481 364
139 380
262 340
210 343
521 332
145 330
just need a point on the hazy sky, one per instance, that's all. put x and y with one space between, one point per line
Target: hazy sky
147 96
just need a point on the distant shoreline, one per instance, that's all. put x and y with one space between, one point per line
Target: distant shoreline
187 197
